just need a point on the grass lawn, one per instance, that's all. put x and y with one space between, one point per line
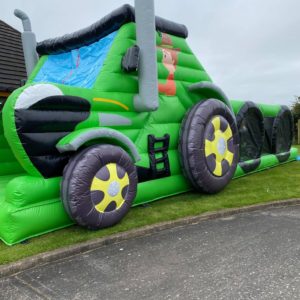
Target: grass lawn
274 184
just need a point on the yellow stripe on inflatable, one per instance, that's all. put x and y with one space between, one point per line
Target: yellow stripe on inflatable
112 101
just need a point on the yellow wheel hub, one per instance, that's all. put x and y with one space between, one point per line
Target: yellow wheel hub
219 146
111 188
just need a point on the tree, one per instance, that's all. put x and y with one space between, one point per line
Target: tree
295 108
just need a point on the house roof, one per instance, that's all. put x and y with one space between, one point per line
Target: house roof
12 64
103 27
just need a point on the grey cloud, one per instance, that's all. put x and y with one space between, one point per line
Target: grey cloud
251 48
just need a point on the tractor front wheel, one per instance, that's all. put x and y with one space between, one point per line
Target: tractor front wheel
99 185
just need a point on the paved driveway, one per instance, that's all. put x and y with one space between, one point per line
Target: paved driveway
248 256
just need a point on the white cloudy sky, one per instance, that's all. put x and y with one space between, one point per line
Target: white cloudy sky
251 48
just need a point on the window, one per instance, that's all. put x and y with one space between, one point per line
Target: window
79 67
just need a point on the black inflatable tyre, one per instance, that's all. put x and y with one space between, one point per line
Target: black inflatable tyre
250 124
99 185
209 126
283 131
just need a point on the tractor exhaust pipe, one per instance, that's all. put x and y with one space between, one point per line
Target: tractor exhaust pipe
147 99
28 42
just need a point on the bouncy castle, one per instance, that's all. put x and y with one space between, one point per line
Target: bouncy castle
118 114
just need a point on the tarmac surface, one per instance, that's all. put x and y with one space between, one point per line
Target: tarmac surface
246 256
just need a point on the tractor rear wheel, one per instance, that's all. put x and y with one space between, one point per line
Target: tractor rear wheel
99 185
208 146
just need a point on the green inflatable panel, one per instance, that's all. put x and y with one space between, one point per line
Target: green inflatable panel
98 128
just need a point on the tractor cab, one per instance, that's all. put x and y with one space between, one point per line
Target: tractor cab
78 67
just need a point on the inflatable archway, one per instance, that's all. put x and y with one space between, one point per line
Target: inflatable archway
266 135
120 114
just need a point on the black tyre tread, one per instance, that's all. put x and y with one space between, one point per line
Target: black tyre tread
182 137
67 172
249 105
73 177
278 119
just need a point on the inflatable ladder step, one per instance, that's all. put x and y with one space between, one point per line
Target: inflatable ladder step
158 153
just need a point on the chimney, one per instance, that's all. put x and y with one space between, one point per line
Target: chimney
28 41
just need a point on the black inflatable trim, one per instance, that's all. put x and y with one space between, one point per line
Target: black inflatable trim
250 123
77 178
269 121
282 131
43 124
283 157
108 24
191 146
247 166
155 171
153 151
130 61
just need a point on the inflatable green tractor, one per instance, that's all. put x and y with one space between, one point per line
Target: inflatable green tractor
119 114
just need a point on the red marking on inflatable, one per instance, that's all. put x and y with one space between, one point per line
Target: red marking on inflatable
170 59
166 40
